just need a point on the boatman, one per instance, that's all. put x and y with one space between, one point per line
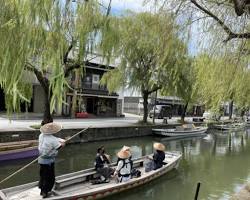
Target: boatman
48 148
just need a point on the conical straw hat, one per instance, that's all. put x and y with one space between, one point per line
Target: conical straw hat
50 128
159 146
123 154
125 148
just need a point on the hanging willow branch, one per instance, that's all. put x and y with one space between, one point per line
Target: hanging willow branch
231 34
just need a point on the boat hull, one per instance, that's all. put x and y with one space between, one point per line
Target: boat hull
230 127
174 133
19 154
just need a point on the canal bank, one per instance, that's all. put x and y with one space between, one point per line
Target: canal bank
93 133
90 135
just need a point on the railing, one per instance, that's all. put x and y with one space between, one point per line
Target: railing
94 86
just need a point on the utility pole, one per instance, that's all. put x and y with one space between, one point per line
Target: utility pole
154 106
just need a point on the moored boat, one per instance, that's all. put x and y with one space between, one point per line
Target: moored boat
77 185
18 150
181 131
230 127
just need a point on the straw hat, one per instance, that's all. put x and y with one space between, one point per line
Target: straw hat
159 146
50 128
125 148
123 154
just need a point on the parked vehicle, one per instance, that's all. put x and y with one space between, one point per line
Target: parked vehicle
161 111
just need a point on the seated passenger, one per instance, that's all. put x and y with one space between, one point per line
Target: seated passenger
159 155
157 160
126 148
123 169
101 164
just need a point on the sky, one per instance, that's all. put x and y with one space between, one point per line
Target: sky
119 6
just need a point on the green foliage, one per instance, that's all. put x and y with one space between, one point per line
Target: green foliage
182 84
222 79
36 36
148 48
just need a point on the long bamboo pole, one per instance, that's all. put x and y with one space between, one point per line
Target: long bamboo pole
24 167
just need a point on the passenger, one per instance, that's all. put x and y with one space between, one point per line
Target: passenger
135 173
159 155
48 148
126 148
101 165
124 167
157 160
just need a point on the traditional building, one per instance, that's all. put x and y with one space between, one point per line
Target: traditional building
92 97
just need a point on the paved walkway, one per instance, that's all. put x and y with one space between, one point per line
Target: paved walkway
23 122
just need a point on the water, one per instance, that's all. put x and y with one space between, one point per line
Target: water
221 162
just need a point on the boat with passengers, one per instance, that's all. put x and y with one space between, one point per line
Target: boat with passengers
78 185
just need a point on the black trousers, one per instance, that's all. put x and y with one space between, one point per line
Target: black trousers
47 177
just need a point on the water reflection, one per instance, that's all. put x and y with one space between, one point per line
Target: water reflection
220 161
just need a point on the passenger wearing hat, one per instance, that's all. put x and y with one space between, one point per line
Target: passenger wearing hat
48 148
156 161
101 164
159 155
126 148
124 167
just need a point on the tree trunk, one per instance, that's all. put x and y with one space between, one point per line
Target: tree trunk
47 116
239 6
145 106
74 98
242 112
183 114
44 82
231 104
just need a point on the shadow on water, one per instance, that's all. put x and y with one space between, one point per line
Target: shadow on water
220 161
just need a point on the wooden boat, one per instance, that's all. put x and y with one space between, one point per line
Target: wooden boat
77 185
18 150
230 127
181 131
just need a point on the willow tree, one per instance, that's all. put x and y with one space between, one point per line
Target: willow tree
183 85
48 39
229 18
148 48
222 80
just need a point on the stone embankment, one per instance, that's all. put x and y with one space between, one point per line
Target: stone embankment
92 134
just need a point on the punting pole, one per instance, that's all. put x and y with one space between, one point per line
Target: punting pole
24 167
197 191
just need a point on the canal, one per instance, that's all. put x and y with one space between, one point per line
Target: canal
220 161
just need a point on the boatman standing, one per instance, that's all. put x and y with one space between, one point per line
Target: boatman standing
48 149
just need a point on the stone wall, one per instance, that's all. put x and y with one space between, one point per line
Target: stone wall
92 134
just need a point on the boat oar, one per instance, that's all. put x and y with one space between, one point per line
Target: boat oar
24 167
